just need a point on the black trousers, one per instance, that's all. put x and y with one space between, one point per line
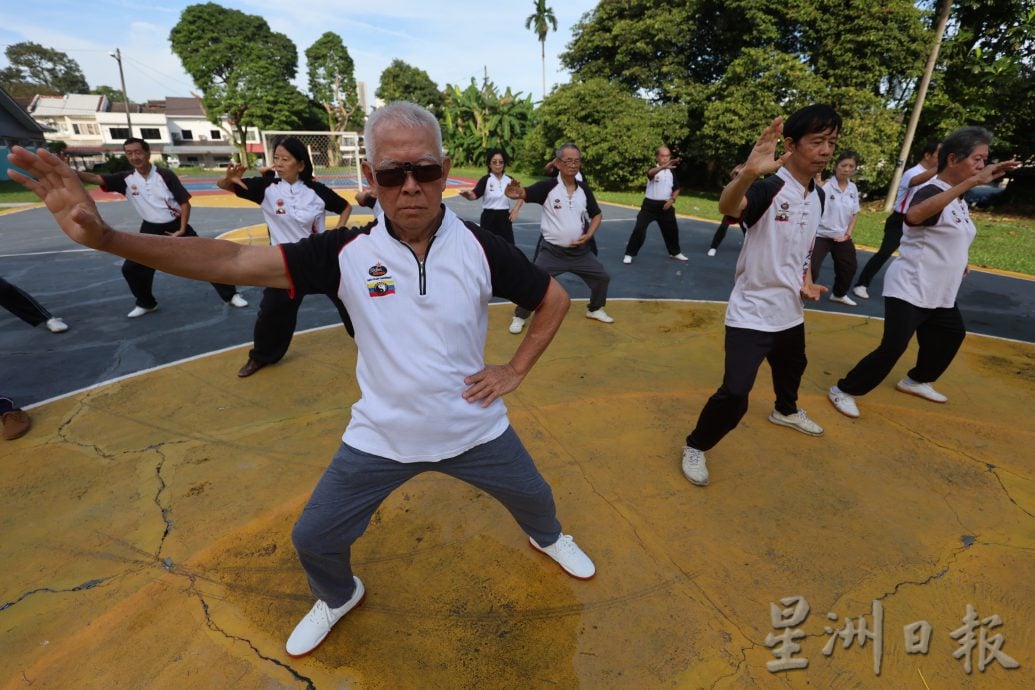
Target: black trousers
888 245
844 262
22 304
141 278
720 232
939 334
650 211
275 325
497 221
745 350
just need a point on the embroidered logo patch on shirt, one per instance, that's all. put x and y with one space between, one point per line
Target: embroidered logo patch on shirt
377 270
280 208
381 288
133 190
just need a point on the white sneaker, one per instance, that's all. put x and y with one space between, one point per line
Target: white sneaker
599 315
140 311
843 299
921 390
844 403
312 629
56 325
238 301
569 556
517 324
694 467
798 421
861 292
679 257
711 252
627 259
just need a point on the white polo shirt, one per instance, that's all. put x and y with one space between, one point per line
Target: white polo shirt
564 216
420 329
781 218
292 211
933 255
490 190
157 197
839 209
904 189
660 187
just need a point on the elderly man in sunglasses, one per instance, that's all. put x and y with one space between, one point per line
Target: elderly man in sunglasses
570 218
417 282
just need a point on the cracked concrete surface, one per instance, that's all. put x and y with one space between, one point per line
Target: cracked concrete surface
146 525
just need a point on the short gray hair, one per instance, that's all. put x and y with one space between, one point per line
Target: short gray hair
962 142
568 145
400 114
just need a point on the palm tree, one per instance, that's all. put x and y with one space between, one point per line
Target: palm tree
540 22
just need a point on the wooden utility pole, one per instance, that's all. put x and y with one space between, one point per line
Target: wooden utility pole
921 94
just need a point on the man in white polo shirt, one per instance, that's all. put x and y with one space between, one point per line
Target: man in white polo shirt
163 203
658 205
417 282
765 319
570 218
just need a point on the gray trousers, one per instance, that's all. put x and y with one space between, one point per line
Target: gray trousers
578 260
356 483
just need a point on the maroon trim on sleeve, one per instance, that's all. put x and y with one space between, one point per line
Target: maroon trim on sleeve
287 269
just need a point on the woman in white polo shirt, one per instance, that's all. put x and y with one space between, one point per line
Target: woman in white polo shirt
294 206
834 236
497 215
921 286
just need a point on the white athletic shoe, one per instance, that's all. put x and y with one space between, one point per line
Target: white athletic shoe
599 315
238 301
627 259
921 390
798 421
844 403
843 299
679 257
517 324
861 292
694 467
569 556
140 311
711 252
312 629
56 325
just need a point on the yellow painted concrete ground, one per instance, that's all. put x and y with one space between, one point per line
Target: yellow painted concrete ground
146 526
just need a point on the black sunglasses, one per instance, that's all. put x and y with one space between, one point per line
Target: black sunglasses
394 177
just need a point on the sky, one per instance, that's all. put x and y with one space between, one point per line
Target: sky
451 40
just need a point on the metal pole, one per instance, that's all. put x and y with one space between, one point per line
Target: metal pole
118 58
921 94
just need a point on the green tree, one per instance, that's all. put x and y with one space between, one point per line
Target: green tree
477 119
114 95
332 82
734 64
540 22
242 67
403 82
616 131
986 75
42 69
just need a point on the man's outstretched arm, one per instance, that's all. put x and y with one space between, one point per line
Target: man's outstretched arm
216 261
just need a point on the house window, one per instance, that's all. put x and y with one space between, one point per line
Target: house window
75 128
119 133
92 128
151 133
187 135
215 134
